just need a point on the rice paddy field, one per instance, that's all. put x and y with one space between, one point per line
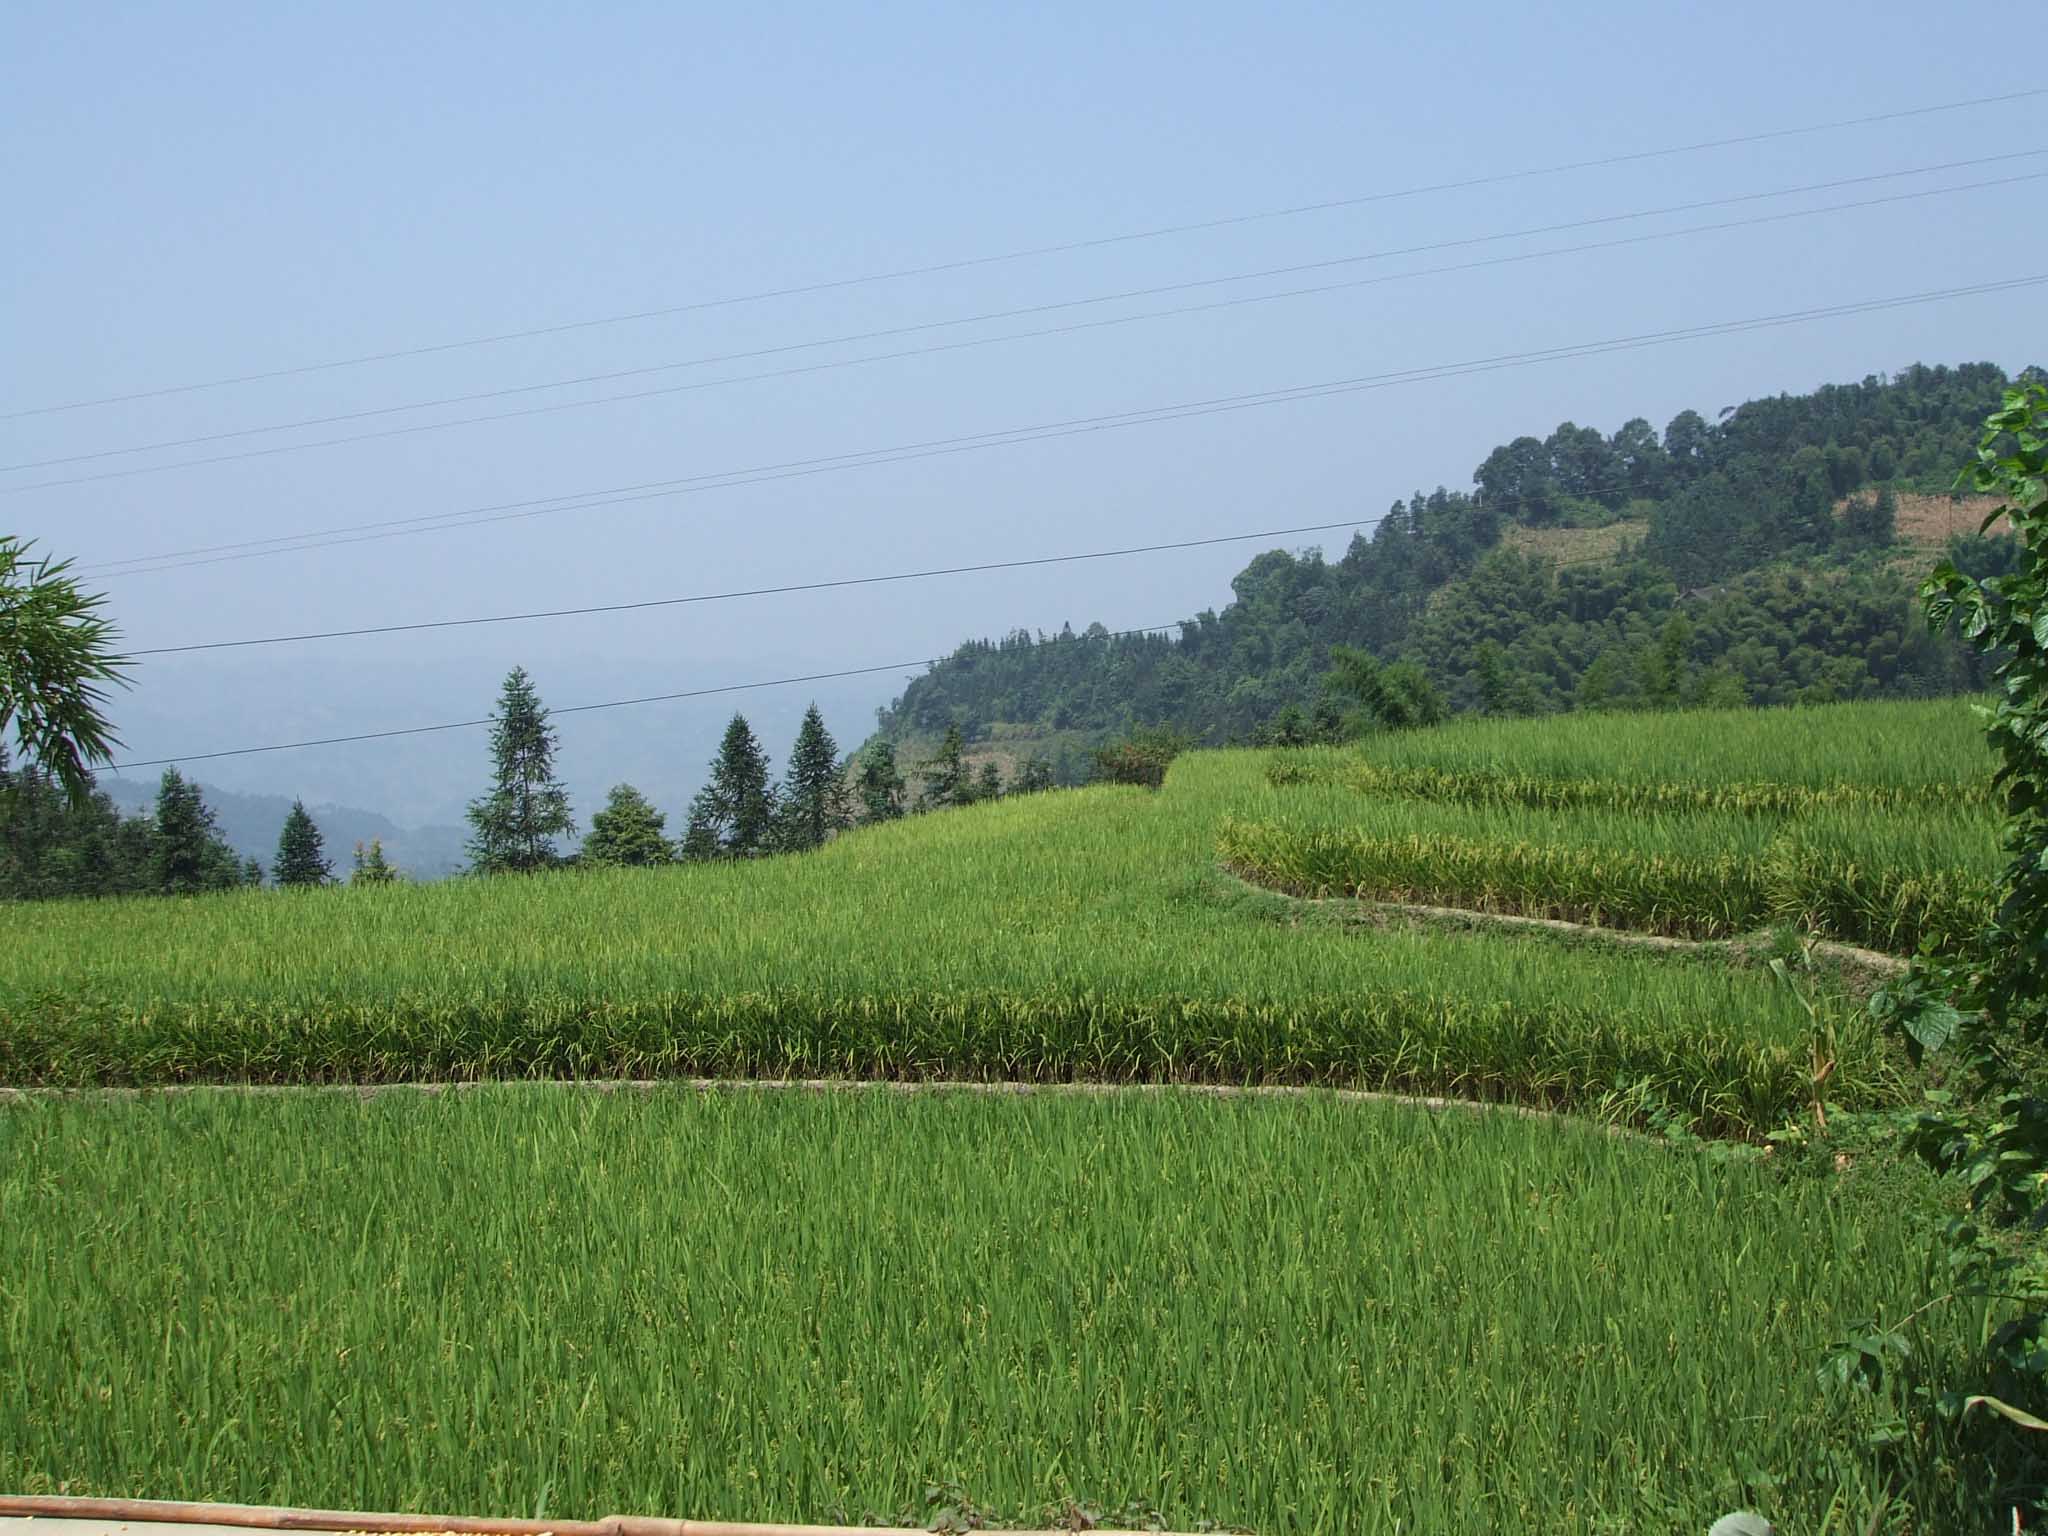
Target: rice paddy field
1088 934
1295 1314
1305 1311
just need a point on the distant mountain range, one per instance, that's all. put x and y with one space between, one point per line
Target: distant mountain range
251 823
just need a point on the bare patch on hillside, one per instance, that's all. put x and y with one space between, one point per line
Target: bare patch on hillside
1929 522
1575 546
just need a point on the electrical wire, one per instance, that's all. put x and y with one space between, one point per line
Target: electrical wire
1496 504
919 327
974 442
1031 252
583 709
652 698
775 591
557 407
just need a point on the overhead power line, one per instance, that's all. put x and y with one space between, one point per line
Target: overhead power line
975 442
927 269
579 709
1487 503
847 339
557 407
775 591
652 698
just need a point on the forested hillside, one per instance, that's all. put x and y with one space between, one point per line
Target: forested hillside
1766 557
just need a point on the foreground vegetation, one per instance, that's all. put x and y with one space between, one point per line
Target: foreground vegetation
1085 934
1288 1314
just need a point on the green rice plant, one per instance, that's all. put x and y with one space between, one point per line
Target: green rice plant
1890 882
1709 897
1652 797
1296 1314
1905 745
1886 756
1046 938
1884 881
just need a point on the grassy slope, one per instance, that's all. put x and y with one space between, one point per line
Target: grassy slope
1081 934
1292 1314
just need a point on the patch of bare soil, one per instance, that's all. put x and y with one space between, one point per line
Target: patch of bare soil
1929 522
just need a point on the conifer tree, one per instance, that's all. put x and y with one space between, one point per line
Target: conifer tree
733 816
1034 777
517 822
628 831
989 786
946 782
879 783
51 845
814 799
301 851
187 851
700 837
371 868
179 855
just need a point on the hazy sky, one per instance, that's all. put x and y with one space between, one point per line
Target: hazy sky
198 191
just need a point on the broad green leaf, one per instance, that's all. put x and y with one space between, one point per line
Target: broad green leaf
1933 1024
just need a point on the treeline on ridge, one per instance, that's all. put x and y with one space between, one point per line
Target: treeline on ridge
1751 560
53 845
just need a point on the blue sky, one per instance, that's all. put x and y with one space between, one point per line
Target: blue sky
198 191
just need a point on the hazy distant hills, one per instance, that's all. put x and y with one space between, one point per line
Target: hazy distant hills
251 823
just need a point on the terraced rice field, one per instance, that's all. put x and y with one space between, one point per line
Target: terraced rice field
1706 826
1073 935
1285 1313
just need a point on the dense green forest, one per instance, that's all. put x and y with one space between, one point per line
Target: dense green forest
1760 558
52 845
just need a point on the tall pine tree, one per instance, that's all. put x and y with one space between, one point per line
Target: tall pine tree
301 851
516 823
733 817
879 783
187 851
628 831
815 803
946 781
